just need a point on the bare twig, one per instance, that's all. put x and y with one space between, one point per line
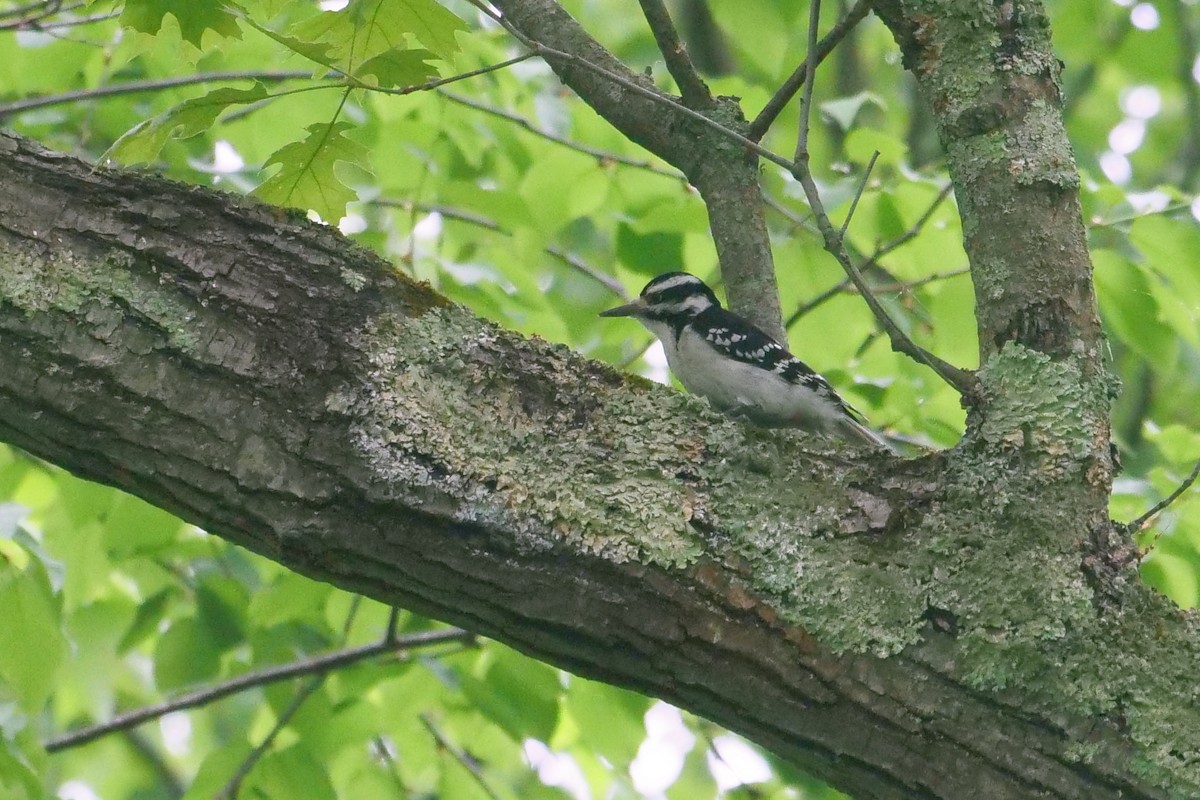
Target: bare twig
234 784
522 122
760 125
810 66
691 86
655 96
916 228
846 286
45 6
74 22
570 259
436 82
908 286
466 759
309 666
1136 525
1169 209
36 11
960 379
134 87
862 186
393 621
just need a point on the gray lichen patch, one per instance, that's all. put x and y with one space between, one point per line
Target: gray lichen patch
563 453
108 290
444 407
1036 404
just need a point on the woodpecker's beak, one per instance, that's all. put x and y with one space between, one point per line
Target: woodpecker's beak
628 310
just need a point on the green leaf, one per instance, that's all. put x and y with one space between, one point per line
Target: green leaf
306 178
32 645
457 781
194 17
367 28
149 614
292 773
649 253
191 117
844 110
220 608
320 52
184 655
610 720
518 694
397 68
219 764
17 780
1174 576
290 597
862 143
1128 305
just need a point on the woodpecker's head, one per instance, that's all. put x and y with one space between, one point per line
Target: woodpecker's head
671 297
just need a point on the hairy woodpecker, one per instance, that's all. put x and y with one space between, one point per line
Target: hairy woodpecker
740 369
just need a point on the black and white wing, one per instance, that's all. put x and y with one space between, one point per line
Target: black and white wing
736 338
803 397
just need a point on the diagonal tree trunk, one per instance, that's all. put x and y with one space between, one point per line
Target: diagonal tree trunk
960 625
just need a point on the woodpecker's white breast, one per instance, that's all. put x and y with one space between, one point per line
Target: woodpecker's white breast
744 389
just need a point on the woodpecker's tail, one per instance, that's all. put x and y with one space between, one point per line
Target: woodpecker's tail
854 431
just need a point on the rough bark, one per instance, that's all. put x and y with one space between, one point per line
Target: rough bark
901 629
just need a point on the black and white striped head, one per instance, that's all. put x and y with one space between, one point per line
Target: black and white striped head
671 297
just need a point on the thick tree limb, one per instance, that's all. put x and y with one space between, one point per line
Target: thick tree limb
908 634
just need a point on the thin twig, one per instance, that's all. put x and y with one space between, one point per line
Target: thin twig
308 666
810 66
1136 525
40 12
392 623
462 757
522 122
1168 209
47 7
960 379
862 186
134 87
916 228
692 87
785 93
234 784
75 22
650 94
846 286
462 215
908 286
436 82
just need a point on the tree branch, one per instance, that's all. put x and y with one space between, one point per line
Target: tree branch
726 177
234 784
274 384
310 666
762 123
691 86
1136 525
570 259
604 156
157 85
